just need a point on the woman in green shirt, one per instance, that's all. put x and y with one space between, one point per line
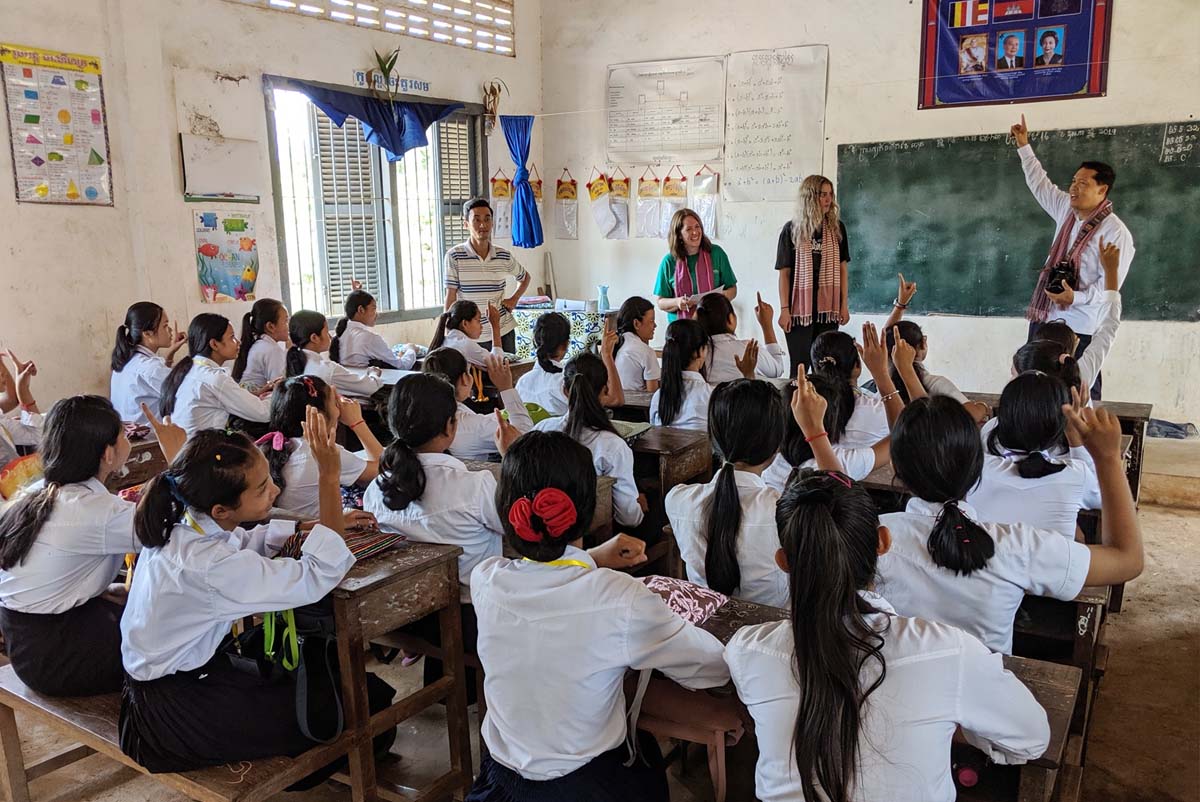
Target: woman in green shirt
707 267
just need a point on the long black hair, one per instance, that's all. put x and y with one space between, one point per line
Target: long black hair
289 407
210 470
449 363
303 326
550 333
829 531
835 355
204 328
745 424
1060 332
140 318
1049 357
459 313
911 333
75 434
1030 421
632 311
420 408
356 301
585 376
713 314
839 406
535 462
685 339
937 454
254 325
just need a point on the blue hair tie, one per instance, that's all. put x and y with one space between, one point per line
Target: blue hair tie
173 484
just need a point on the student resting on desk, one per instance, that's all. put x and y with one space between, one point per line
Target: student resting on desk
557 633
138 371
852 702
716 315
636 361
461 325
681 399
262 358
309 332
357 345
24 430
474 436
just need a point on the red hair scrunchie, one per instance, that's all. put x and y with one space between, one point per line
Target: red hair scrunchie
551 505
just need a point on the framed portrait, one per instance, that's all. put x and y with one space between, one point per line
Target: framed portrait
972 53
1050 44
1010 50
1059 8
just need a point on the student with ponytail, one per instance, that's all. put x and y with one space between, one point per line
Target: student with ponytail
681 399
309 332
636 362
356 344
836 357
852 702
947 564
187 704
728 356
543 385
197 393
475 434
586 377
557 633
460 326
262 359
138 371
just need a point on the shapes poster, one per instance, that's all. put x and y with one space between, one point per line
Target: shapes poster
980 52
226 256
58 126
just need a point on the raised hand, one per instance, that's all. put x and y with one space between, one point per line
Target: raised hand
903 354
808 406
873 353
1099 429
171 438
25 373
748 360
905 290
608 344
506 434
493 315
1110 260
1074 435
499 372
1020 133
321 439
349 411
764 312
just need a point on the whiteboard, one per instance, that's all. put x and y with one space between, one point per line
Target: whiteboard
666 111
215 167
775 121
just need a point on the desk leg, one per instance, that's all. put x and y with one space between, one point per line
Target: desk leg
1037 784
450 620
12 772
356 707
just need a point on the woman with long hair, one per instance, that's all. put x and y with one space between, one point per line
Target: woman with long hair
693 266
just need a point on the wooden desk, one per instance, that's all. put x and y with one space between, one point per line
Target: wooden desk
520 367
378 595
145 461
681 455
602 522
636 407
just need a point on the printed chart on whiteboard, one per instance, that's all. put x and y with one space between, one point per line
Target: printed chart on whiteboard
666 111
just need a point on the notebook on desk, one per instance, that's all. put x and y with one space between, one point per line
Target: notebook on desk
630 430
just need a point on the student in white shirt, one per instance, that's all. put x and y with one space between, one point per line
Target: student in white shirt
727 355
835 356
357 344
475 437
262 357
25 429
198 394
543 384
460 326
851 701
1023 479
586 422
293 469
186 703
557 633
636 362
946 565
309 333
138 371
681 399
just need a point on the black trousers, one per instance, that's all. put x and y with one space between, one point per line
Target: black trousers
1084 341
800 340
76 653
507 341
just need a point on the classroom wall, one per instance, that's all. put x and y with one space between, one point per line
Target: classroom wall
873 53
68 273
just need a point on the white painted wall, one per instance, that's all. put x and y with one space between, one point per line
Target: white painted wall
872 97
67 274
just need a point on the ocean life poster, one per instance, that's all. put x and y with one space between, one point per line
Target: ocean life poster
226 256
58 126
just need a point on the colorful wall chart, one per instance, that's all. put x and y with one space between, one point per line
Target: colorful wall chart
979 52
226 256
58 127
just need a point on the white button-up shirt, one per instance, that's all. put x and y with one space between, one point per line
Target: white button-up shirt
868 423
474 353
360 343
1092 359
857 463
544 389
346 382
555 643
757 537
940 385
772 361
475 437
75 555
301 493
1026 560
693 414
1083 316
637 363
207 396
611 456
483 280
458 508
139 382
938 678
186 594
22 429
1051 502
266 362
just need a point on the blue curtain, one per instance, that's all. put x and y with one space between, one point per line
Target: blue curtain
396 127
526 225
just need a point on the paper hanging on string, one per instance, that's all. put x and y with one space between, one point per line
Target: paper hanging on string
704 199
566 209
601 205
501 205
226 256
649 208
674 198
619 195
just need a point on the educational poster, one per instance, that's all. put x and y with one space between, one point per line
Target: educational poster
666 111
226 256
980 52
57 125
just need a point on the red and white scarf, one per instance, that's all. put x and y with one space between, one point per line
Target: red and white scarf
829 286
1040 304
683 278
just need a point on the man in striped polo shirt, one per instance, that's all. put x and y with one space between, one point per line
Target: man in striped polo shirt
476 270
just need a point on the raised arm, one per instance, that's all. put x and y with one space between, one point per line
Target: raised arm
1092 359
904 293
1053 200
808 410
874 356
904 358
614 393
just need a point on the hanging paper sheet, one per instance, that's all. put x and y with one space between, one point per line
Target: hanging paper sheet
619 200
566 207
57 126
226 256
649 207
674 197
502 192
704 198
601 205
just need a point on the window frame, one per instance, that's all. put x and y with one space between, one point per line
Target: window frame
390 224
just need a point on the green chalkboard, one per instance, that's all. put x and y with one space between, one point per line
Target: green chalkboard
955 215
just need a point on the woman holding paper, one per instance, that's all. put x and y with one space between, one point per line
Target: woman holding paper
694 266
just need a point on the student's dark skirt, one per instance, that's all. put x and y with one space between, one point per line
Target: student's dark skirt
604 779
76 653
223 713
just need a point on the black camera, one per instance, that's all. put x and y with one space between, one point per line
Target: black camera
1062 273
